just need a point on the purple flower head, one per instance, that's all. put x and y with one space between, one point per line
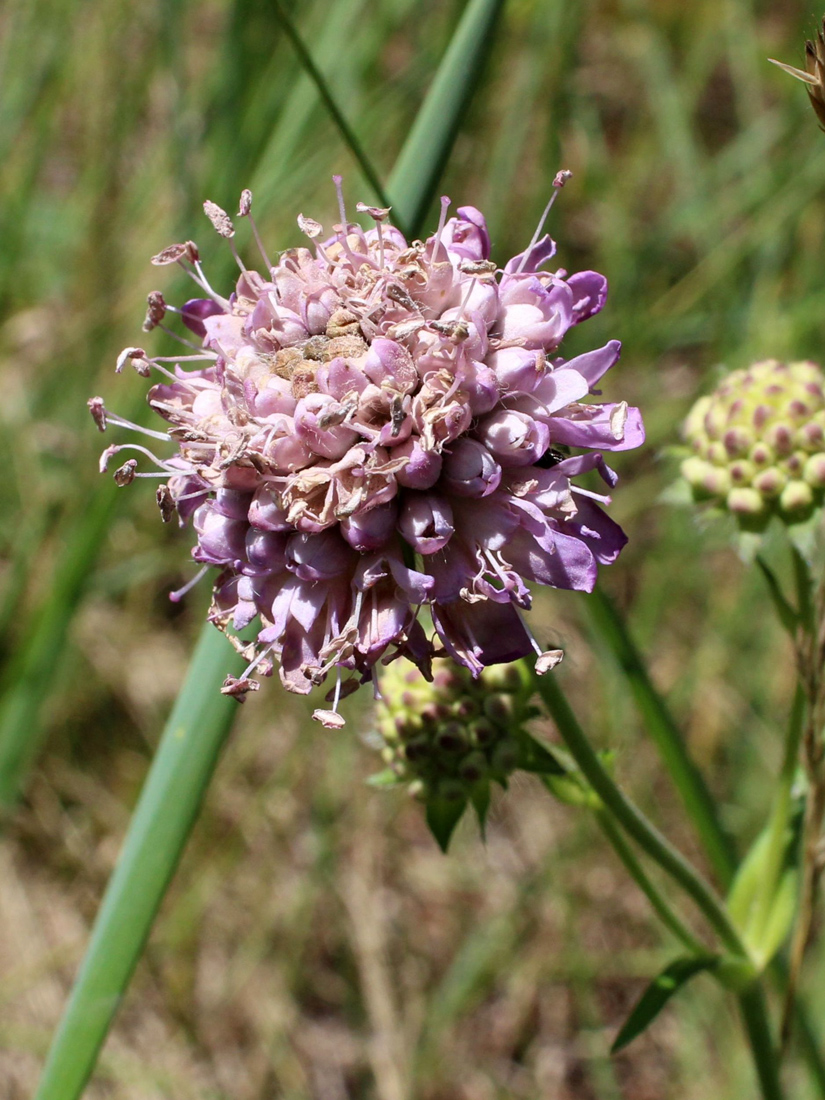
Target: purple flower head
376 432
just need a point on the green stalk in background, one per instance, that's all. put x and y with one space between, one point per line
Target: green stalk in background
751 1000
666 735
201 719
169 803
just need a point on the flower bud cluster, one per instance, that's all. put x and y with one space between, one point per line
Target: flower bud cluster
447 736
758 442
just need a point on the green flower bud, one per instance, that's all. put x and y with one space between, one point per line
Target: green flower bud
451 733
797 496
814 472
758 442
747 502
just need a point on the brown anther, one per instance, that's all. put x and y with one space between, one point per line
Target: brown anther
342 323
191 254
349 347
310 227
331 719
155 310
238 689
245 205
125 474
456 330
477 267
303 381
98 411
405 329
170 255
397 414
561 178
221 221
237 416
166 502
398 294
377 213
127 355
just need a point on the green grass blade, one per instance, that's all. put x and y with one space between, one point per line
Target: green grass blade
666 735
183 765
347 132
418 168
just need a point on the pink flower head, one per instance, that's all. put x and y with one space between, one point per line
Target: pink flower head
371 428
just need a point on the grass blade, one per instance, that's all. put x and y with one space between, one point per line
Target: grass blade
657 994
418 168
183 765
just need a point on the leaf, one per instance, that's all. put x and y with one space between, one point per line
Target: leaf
780 919
658 993
480 798
539 758
788 615
443 814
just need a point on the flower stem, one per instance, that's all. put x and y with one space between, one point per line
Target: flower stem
755 1018
780 816
646 835
661 906
666 735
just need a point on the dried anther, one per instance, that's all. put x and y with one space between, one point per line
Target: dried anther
238 688
245 205
125 474
155 310
98 411
166 502
175 252
221 222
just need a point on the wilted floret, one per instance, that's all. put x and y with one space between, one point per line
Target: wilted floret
372 426
758 442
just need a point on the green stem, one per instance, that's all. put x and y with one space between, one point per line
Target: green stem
666 735
646 835
169 803
778 829
755 1018
661 906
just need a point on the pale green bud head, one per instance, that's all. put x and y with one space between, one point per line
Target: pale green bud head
452 732
758 442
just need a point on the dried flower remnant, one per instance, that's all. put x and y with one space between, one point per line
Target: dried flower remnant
814 78
372 427
758 442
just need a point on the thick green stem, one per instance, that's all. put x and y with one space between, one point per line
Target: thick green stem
779 821
169 803
666 735
646 835
755 1018
660 905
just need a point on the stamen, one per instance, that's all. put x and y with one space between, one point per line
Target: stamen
344 223
180 339
113 418
600 497
528 632
560 179
214 294
202 283
238 259
445 206
178 595
254 664
259 243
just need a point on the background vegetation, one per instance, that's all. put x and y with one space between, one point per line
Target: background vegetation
316 944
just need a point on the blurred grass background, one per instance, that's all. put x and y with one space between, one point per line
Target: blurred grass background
316 944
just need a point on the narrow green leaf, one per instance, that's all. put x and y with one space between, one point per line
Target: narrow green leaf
418 168
658 993
443 814
480 798
788 615
169 803
539 758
